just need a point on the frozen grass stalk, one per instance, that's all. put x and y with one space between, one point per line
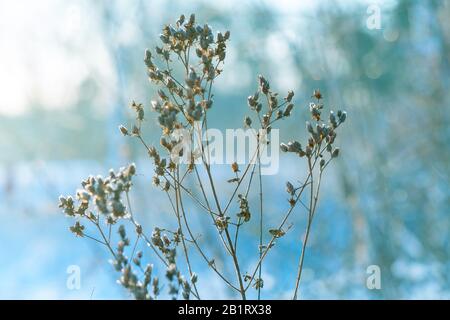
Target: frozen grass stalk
102 207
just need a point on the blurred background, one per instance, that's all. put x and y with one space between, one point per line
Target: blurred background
69 69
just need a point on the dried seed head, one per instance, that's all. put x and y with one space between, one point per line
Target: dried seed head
166 186
222 222
148 59
284 147
315 111
192 19
289 96
290 188
294 146
308 151
180 20
342 115
135 130
277 233
263 85
292 202
131 169
309 127
288 110
335 153
317 94
166 240
123 130
247 122
77 229
333 119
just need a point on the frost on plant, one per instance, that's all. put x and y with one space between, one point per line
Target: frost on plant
101 209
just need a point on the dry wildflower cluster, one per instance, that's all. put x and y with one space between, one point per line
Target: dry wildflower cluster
104 203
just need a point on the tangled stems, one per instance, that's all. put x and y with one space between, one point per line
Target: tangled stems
183 106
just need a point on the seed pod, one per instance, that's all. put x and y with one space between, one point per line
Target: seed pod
191 78
140 114
220 37
222 222
288 110
266 119
247 121
290 188
317 94
335 153
192 19
148 59
166 240
180 20
162 95
132 169
208 104
279 114
164 39
251 102
315 113
152 152
333 119
83 196
277 233
294 146
289 96
205 59
123 130
308 151
77 229
135 130
322 163
309 127
211 72
122 232
342 117
263 85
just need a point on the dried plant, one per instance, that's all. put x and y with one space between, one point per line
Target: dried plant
104 203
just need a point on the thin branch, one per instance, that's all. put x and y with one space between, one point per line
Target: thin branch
186 254
261 217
